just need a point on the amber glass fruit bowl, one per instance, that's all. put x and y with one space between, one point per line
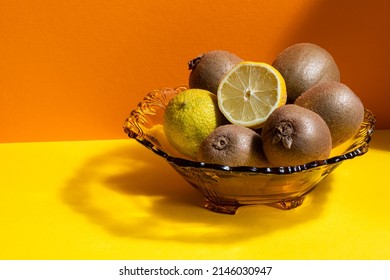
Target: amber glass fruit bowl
226 188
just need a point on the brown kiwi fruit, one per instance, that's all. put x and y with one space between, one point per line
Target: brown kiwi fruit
208 69
233 145
338 105
304 65
293 135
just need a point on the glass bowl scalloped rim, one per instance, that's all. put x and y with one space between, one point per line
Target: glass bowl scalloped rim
369 120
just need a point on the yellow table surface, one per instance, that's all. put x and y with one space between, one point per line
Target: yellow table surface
114 199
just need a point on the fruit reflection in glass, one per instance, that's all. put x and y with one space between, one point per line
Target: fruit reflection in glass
226 188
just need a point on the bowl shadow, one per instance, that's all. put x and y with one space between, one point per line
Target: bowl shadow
131 192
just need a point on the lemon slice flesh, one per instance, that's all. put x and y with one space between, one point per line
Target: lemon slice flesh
250 92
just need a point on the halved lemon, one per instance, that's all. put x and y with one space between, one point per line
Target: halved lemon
250 92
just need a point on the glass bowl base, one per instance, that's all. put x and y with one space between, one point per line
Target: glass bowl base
288 204
221 208
231 209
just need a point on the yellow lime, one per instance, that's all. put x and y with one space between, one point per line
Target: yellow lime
250 92
189 118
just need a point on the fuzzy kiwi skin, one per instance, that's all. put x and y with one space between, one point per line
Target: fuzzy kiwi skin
208 69
338 105
233 145
293 135
304 65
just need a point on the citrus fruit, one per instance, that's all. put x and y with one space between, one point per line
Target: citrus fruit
189 118
250 92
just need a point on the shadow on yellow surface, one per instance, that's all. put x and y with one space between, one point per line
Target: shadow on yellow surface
130 192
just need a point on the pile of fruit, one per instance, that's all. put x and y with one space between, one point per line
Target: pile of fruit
244 113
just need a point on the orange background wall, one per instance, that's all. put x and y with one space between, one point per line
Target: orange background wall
72 70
